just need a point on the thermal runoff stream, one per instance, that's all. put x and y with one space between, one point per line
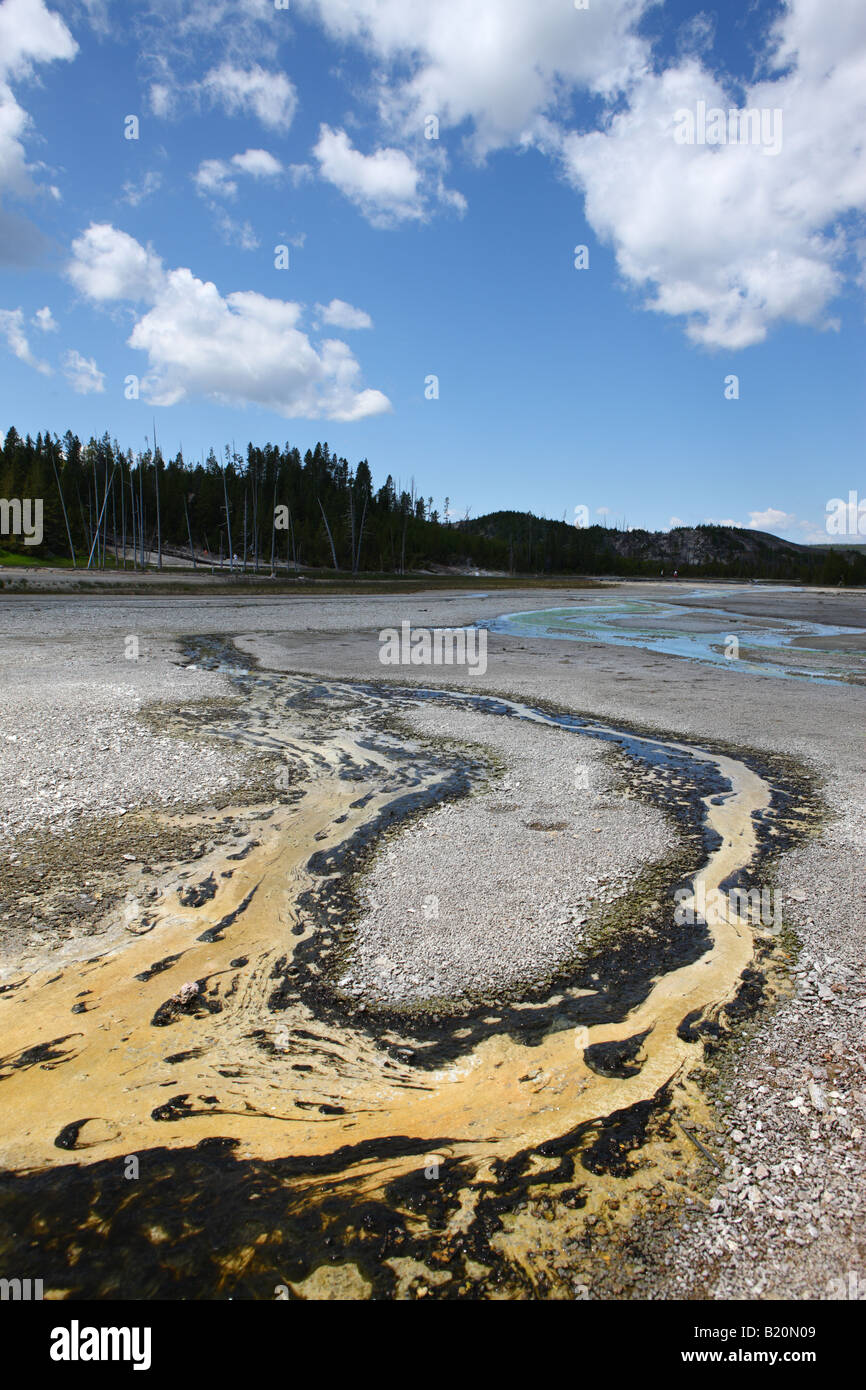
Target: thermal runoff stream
202 1110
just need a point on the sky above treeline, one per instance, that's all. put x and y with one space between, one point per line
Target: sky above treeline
526 252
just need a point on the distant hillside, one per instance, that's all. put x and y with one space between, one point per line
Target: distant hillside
535 544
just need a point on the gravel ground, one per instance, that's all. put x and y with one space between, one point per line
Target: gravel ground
436 925
72 744
786 1218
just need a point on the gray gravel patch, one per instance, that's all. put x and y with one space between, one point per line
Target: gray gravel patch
72 742
499 890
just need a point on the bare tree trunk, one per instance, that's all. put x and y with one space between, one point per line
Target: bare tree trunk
99 520
156 486
273 528
188 531
158 521
135 542
330 537
141 506
245 530
357 564
96 509
229 527
63 506
132 518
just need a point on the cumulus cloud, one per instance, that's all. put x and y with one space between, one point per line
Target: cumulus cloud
730 238
30 34
727 238
387 186
108 264
45 320
215 177
339 314
239 348
259 164
82 373
776 521
772 519
383 184
503 69
253 91
12 329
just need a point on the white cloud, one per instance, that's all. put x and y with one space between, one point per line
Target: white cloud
727 236
163 99
236 233
82 373
45 320
259 164
502 67
384 184
12 329
269 96
241 348
214 177
776 522
339 314
108 264
772 519
29 34
135 193
729 239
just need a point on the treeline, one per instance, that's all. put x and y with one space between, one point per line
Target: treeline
537 545
271 506
274 508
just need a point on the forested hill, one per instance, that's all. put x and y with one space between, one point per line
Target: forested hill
273 505
533 543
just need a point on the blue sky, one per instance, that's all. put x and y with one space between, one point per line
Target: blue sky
304 127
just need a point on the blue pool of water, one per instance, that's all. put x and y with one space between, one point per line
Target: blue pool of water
709 635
